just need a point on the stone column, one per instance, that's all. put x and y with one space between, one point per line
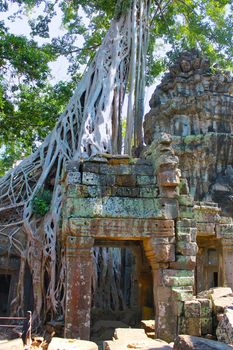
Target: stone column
227 268
160 252
225 233
78 297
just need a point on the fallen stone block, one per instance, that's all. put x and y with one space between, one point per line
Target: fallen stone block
148 325
145 344
222 303
206 307
206 325
15 344
224 330
130 334
220 292
188 342
193 326
71 344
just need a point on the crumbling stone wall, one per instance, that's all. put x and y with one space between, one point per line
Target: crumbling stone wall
194 104
122 199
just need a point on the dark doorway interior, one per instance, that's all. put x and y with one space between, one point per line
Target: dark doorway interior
122 289
4 293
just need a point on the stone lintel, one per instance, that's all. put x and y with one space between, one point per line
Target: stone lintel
122 229
224 231
206 229
206 213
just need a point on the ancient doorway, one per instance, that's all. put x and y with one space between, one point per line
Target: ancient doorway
5 281
122 287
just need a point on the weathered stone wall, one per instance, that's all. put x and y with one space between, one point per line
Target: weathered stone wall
194 104
119 199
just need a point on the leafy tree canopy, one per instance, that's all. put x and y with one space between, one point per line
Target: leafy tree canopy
29 104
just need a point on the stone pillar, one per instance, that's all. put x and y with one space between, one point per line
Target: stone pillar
225 233
78 289
227 268
160 252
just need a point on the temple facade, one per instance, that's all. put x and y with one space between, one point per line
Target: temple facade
172 207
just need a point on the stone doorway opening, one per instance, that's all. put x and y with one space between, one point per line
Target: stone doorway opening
5 281
122 287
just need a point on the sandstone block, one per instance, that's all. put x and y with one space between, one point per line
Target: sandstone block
130 333
15 344
148 191
219 292
125 191
206 214
184 262
185 200
143 344
120 169
178 279
148 325
206 325
71 344
167 325
184 237
224 230
220 304
169 207
185 212
192 309
206 229
182 294
144 180
206 307
169 178
107 180
142 169
73 177
224 330
126 180
114 207
184 248
163 294
90 179
161 252
185 223
193 326
187 342
91 167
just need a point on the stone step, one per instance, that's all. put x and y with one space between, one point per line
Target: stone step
71 344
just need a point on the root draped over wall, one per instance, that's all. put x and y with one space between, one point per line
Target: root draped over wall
91 124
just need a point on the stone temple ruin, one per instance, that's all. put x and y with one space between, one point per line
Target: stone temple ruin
172 207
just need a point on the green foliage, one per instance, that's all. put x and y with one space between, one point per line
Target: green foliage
23 58
26 123
41 202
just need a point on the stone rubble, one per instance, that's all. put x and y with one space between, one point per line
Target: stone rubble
187 342
71 344
125 339
224 330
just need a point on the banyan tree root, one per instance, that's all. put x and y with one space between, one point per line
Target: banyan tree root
91 124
